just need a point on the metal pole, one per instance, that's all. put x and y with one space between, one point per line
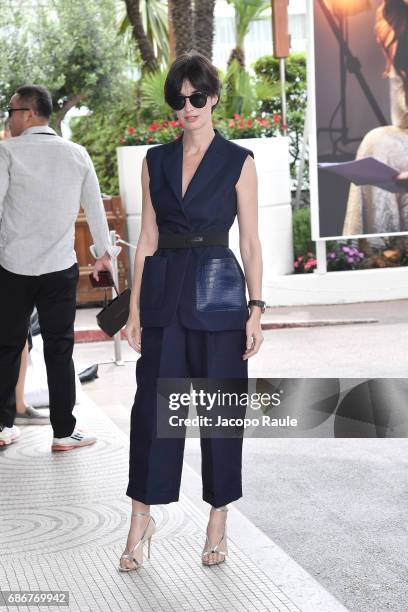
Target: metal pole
283 94
116 338
302 159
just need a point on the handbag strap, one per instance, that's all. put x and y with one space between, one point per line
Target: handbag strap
106 298
116 289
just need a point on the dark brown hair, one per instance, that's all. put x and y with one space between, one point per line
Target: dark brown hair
197 69
392 33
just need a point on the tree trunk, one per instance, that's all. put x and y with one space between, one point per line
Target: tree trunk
238 54
143 43
59 114
172 42
182 19
204 27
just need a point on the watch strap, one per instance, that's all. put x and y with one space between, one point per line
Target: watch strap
260 303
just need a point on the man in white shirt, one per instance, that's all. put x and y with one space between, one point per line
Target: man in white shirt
43 181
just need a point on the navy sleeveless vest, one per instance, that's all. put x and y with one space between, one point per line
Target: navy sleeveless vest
205 283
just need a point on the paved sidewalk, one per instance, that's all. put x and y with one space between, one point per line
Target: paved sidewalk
64 524
335 506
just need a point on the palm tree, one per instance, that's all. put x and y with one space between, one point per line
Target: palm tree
193 25
183 25
154 21
204 27
245 12
142 41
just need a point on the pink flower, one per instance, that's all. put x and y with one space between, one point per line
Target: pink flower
231 123
249 123
131 130
276 117
172 123
236 116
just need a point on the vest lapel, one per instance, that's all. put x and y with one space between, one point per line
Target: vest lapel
205 171
210 165
172 167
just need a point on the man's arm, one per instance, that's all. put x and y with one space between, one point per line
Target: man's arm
91 202
4 177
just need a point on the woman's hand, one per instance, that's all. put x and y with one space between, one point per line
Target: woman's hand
133 332
253 333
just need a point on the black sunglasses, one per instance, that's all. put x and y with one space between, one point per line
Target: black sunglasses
10 110
198 99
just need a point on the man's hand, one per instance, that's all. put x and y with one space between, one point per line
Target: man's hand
102 264
403 176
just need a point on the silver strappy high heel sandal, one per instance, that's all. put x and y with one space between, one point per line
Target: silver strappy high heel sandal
220 547
147 535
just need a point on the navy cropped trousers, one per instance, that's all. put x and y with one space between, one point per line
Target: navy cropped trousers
156 463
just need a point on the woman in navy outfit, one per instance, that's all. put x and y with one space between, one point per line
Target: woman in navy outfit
189 315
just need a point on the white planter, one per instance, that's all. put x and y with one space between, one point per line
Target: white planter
275 213
130 186
271 157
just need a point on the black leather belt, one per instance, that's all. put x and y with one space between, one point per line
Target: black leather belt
183 241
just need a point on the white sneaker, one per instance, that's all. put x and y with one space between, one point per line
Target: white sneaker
75 440
9 435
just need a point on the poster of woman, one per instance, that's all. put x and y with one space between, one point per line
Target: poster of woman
359 106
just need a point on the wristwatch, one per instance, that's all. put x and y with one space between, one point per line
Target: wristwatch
260 303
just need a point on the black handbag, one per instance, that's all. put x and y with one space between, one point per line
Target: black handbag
115 314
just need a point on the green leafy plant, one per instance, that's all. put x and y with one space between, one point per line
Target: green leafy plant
267 69
70 47
302 241
100 132
243 93
155 24
152 100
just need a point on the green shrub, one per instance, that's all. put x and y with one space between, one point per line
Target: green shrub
101 132
302 241
267 68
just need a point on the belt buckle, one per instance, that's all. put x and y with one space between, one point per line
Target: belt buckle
198 238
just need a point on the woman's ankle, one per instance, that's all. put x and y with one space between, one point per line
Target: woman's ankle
140 507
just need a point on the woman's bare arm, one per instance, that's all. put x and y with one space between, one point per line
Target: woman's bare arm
251 251
148 239
247 213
